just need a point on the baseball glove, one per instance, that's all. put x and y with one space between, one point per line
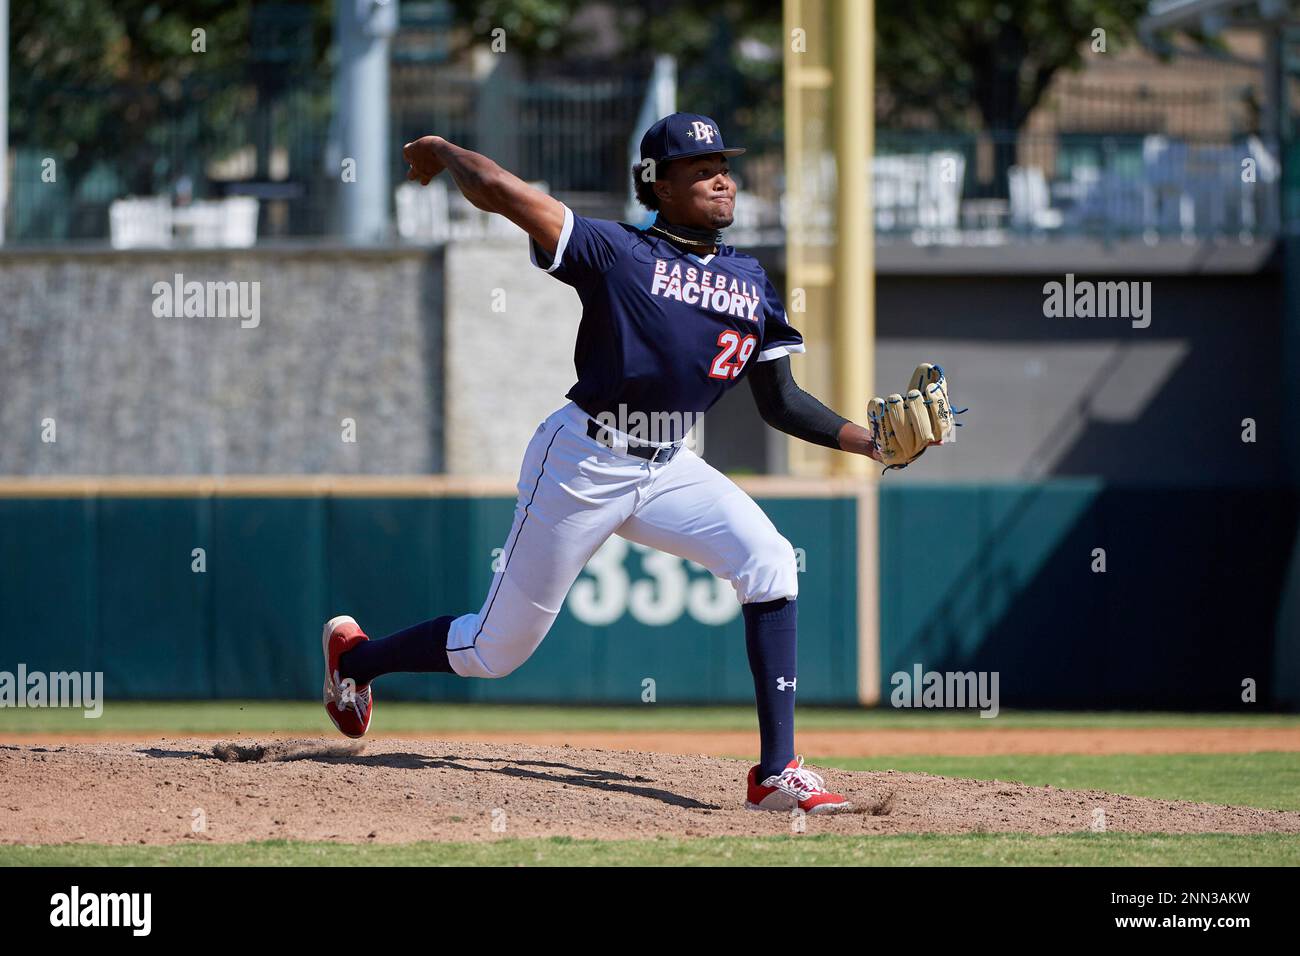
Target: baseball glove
903 426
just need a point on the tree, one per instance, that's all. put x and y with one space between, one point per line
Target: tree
729 56
118 84
950 64
536 30
942 60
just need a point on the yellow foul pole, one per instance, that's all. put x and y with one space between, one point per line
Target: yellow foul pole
854 315
829 112
853 112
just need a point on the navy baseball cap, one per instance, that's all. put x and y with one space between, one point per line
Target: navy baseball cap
680 135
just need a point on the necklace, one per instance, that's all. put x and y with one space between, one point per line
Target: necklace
700 238
685 242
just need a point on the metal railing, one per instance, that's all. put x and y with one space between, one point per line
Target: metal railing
997 188
194 168
569 132
961 189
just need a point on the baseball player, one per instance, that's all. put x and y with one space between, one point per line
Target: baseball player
671 319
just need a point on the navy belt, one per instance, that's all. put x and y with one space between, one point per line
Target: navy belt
659 454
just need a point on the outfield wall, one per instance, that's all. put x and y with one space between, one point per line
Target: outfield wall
101 575
106 582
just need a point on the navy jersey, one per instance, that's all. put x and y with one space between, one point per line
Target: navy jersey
662 331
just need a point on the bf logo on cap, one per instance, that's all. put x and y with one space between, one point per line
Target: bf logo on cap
702 132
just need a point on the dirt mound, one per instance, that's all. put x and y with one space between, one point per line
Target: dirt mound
876 742
278 751
395 791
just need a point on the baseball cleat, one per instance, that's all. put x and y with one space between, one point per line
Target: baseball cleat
793 787
349 706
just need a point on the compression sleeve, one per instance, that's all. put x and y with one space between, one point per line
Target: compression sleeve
788 408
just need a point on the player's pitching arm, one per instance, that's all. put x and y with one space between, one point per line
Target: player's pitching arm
488 187
788 408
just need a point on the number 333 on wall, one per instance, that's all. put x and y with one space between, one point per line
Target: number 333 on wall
606 591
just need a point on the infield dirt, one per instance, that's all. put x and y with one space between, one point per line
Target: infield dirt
876 742
395 791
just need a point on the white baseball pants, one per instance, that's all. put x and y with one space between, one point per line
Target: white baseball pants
574 493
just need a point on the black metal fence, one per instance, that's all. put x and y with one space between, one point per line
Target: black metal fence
995 187
569 132
221 140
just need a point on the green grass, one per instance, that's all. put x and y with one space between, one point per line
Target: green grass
215 717
1270 780
1263 779
1083 849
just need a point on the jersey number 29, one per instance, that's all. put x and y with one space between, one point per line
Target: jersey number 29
736 351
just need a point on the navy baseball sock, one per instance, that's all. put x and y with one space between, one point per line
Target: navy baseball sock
420 649
771 640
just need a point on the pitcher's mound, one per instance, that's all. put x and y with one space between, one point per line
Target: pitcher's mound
396 791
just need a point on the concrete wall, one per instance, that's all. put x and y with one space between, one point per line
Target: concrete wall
1075 397
341 334
459 385
1097 397
510 330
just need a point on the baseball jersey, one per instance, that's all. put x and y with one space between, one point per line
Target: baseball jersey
662 330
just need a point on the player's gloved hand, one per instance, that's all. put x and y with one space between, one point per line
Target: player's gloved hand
422 156
904 426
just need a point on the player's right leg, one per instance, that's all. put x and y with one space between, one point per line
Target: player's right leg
572 494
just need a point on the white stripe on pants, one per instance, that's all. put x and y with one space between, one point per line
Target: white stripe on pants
573 494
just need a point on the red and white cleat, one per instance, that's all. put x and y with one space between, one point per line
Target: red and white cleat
793 787
349 706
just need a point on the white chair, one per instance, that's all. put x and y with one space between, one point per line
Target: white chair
422 212
1259 206
229 223
1031 200
919 193
239 222
140 222
896 192
744 226
1168 203
198 224
939 208
754 214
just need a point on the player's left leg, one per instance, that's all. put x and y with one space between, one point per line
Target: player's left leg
694 511
572 494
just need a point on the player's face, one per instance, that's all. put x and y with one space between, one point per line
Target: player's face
700 192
